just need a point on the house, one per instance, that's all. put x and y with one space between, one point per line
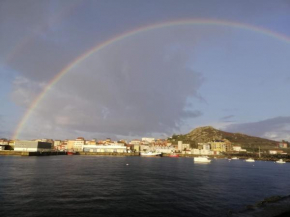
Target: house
238 148
275 151
282 145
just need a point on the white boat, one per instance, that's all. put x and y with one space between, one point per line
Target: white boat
235 158
150 154
250 160
280 161
202 160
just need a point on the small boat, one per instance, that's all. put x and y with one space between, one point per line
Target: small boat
235 158
201 160
150 154
280 161
173 155
250 160
71 152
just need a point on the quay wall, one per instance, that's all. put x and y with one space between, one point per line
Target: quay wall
108 154
20 153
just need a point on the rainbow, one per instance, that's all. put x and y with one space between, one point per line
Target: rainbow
133 32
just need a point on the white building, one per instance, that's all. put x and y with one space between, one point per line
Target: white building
182 146
3 144
150 140
32 146
135 142
164 149
238 148
114 147
76 145
145 148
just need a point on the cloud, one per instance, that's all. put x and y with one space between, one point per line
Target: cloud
138 86
276 128
226 118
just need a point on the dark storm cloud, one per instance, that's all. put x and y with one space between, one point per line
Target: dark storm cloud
135 87
139 86
273 128
32 41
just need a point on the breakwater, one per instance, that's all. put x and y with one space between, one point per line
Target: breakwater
38 153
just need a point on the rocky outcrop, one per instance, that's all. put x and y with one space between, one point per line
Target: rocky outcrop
275 206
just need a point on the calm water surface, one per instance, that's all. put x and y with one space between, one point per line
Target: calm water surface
106 186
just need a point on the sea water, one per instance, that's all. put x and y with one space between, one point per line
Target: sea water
134 186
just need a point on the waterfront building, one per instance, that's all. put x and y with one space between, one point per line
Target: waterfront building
195 151
182 147
76 145
32 146
3 144
110 148
56 143
62 146
136 148
145 148
164 149
238 148
11 144
220 146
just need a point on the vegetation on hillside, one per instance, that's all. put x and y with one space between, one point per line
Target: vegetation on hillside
208 133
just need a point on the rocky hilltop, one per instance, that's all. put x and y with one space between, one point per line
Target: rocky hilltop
208 133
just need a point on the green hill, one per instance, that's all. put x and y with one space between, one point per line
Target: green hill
208 133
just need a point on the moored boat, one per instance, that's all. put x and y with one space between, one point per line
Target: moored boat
201 159
71 152
280 161
250 160
173 155
150 154
235 158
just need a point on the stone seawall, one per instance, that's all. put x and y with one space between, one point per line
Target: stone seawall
19 153
108 154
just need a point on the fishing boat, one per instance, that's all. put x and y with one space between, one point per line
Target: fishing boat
250 160
202 159
280 161
150 154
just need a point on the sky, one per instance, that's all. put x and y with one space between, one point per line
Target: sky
144 82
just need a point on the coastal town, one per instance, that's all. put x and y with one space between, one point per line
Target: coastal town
144 146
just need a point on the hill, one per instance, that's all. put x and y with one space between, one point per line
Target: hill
208 133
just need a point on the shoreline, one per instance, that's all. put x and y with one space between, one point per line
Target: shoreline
275 206
286 158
